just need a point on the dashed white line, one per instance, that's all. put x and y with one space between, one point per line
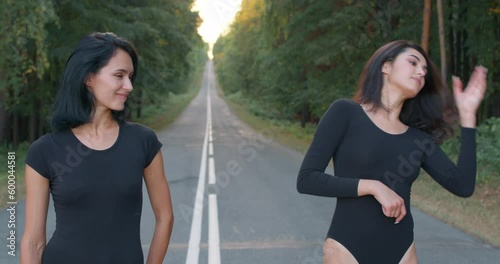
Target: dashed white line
213 215
195 236
211 171
193 252
210 149
213 219
213 231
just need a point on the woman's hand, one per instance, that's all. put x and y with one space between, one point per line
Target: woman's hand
392 204
469 99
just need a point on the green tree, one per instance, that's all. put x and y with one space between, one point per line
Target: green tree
24 61
299 56
38 36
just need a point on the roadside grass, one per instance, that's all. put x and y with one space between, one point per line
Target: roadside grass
284 132
161 116
478 215
155 116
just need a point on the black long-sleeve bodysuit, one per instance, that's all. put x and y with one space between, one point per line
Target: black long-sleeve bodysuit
361 150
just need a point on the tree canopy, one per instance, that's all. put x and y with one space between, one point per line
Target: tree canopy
298 56
38 37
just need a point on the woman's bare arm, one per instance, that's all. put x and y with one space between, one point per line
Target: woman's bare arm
37 201
159 195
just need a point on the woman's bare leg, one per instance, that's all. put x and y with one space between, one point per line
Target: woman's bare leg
336 253
410 256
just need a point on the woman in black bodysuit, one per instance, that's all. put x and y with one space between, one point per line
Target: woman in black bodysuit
94 164
378 142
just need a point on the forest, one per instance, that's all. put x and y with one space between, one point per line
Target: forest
37 38
283 63
295 57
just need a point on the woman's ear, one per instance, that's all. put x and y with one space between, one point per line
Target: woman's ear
88 81
386 67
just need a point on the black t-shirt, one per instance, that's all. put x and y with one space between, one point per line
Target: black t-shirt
97 194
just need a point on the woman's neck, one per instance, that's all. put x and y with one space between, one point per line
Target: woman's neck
101 120
392 101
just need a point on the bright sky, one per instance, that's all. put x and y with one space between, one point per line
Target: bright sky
217 15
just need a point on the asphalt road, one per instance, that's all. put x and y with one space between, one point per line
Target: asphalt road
247 209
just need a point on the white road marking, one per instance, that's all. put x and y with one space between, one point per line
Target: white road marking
193 252
213 231
211 171
213 215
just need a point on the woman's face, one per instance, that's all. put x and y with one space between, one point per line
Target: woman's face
112 84
406 74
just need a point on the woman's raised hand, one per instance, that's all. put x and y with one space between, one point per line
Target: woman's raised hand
469 99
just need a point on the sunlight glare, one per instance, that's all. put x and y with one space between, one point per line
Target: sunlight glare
217 15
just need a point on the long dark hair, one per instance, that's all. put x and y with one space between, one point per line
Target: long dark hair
432 110
74 103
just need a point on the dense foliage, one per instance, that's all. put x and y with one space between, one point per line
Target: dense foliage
38 36
296 56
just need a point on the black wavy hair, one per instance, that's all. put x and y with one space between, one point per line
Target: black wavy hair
74 102
432 110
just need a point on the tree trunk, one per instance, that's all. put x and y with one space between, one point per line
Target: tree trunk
426 25
394 17
32 125
453 37
3 117
441 38
495 107
457 40
41 123
15 129
139 104
306 114
494 98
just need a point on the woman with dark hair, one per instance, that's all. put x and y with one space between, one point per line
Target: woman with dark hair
378 142
94 164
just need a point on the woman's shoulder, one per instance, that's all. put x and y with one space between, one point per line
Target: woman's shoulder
345 102
46 140
339 110
147 138
137 128
343 105
45 145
